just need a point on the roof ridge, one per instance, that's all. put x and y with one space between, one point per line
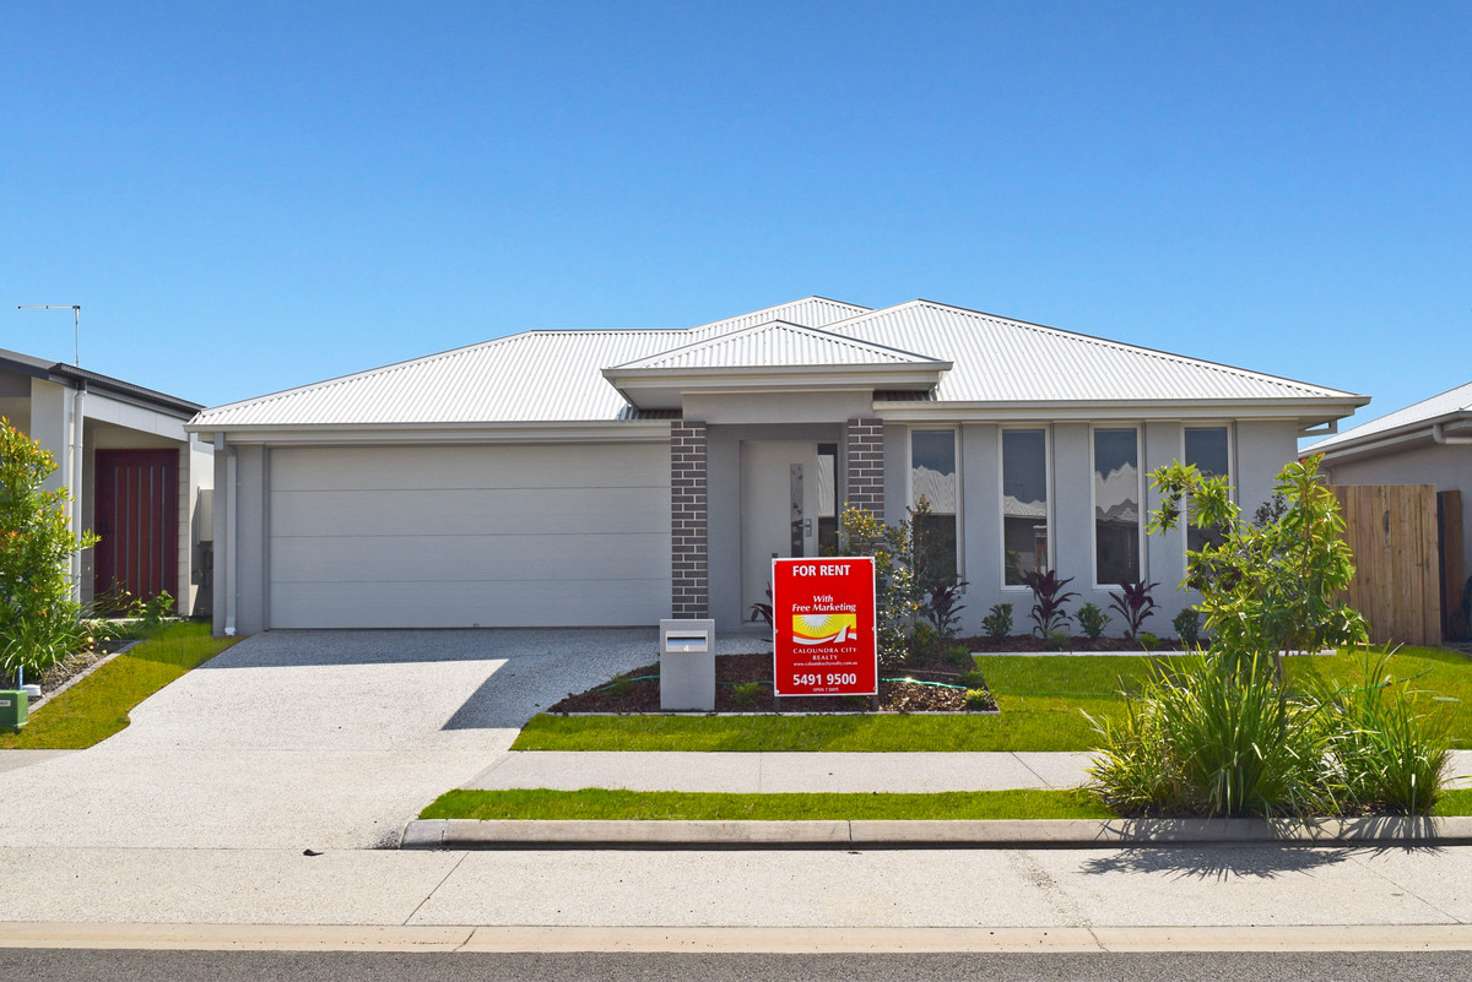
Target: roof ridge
778 306
727 336
1174 356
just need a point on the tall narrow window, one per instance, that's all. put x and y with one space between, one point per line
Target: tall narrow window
1024 504
933 479
1208 448
827 499
1116 506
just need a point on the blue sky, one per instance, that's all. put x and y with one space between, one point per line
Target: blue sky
260 195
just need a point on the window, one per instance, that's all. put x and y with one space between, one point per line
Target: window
1208 448
1024 504
1117 540
827 499
933 479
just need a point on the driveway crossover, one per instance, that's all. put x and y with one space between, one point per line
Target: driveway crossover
308 739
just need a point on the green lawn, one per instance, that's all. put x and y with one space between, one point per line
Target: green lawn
1041 701
1454 803
597 803
97 707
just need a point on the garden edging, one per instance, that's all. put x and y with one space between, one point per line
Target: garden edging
457 833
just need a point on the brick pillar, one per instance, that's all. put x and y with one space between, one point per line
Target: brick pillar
864 445
689 550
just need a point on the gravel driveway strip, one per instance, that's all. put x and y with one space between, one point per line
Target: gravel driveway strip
308 739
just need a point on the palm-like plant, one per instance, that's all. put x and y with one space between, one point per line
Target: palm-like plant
1135 604
1048 598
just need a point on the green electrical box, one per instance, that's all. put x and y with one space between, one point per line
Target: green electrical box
12 709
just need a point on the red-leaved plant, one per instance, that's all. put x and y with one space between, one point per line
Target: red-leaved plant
1048 598
1134 604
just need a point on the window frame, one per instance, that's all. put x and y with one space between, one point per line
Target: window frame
1001 498
1208 424
955 432
1139 430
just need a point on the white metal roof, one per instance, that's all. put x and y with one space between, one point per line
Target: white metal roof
998 359
772 345
557 376
1438 408
809 311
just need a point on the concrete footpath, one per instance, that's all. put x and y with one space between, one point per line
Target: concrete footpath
798 772
778 772
1262 887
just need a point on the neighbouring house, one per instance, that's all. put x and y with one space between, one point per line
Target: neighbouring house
1429 442
134 473
614 477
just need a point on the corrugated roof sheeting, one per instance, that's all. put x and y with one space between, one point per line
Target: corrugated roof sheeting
543 376
1450 402
776 345
556 376
1001 360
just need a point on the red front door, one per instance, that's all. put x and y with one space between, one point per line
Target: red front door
137 517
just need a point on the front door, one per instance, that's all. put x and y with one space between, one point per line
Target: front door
136 515
779 509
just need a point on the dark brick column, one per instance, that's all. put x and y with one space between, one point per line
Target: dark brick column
689 550
864 446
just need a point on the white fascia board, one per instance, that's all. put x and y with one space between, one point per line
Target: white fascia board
1163 409
623 431
782 376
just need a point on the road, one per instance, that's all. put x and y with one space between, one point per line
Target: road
174 966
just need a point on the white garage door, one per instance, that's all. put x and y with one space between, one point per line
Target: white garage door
503 536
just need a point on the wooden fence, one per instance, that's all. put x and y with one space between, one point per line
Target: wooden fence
1392 529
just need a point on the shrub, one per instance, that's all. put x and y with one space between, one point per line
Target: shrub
1135 604
1092 621
1148 641
897 596
958 656
1384 752
979 699
925 643
973 679
1211 737
998 623
1188 627
1048 598
38 618
747 693
1058 641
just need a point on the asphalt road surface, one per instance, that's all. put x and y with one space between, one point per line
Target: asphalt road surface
36 965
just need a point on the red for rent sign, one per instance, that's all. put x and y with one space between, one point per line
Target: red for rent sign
824 637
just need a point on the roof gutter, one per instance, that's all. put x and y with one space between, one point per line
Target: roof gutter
1438 434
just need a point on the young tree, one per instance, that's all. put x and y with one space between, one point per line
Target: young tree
38 619
1274 584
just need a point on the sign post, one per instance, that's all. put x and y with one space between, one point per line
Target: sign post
824 633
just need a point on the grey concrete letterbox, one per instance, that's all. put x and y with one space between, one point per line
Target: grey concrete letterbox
687 664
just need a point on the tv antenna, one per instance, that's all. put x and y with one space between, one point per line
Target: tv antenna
76 310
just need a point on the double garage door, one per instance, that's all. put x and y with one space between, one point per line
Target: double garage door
469 536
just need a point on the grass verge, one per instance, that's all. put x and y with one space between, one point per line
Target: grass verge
599 803
98 706
1040 698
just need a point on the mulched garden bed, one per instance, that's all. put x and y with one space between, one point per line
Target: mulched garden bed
638 692
1030 642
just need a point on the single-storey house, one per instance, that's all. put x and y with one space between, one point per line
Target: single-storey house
135 475
615 477
1429 442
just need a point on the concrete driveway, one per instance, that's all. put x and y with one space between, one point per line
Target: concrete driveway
308 739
